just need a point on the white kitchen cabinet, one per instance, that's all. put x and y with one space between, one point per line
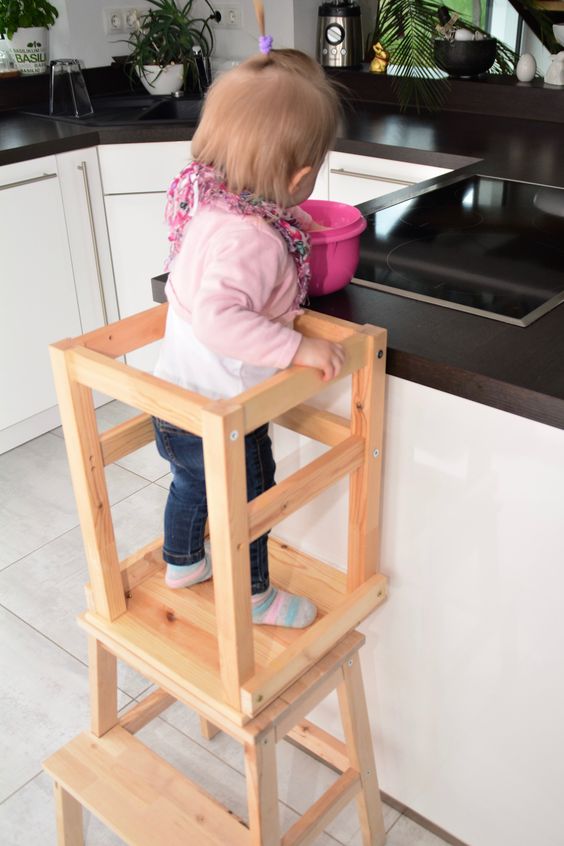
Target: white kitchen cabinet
58 280
135 180
321 187
40 303
83 203
356 179
463 662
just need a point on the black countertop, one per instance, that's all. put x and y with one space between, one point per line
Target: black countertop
516 369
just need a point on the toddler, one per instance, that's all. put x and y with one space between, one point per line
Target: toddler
238 275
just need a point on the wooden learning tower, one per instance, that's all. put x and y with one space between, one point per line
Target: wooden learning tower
256 683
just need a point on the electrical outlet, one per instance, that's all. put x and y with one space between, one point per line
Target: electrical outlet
114 21
231 17
132 17
121 21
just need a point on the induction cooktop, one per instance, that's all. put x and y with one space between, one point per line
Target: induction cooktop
491 247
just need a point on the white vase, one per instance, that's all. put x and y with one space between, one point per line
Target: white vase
29 49
157 80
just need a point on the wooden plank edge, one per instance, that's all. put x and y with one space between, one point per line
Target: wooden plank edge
141 390
316 640
323 426
141 565
325 809
61 765
296 490
228 719
146 710
126 437
319 744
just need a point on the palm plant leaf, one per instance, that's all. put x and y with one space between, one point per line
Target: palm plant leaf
406 29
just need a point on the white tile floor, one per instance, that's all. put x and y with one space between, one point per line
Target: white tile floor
44 688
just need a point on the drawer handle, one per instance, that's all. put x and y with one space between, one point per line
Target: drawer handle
28 181
340 171
84 168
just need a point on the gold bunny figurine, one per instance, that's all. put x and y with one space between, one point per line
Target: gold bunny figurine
379 63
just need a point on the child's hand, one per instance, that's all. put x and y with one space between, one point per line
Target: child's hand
324 355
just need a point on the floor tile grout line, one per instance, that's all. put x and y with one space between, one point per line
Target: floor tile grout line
21 787
63 649
77 525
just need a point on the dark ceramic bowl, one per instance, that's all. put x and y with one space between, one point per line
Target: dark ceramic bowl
465 58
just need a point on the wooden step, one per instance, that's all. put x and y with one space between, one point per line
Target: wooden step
143 799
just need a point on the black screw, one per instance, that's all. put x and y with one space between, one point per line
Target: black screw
380 353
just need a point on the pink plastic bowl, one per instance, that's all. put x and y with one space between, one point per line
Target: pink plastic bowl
335 250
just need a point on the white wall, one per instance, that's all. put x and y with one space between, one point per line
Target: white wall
80 32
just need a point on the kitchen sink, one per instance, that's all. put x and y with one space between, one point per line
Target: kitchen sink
174 109
126 109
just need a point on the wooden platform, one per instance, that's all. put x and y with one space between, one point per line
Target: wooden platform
171 636
138 795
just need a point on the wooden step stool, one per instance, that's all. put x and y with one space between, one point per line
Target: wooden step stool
199 645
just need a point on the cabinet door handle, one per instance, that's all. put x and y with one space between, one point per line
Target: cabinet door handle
340 171
84 168
28 181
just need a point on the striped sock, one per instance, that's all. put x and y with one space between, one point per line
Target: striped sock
186 575
275 607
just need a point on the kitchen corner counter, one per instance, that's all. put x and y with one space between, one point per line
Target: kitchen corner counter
519 370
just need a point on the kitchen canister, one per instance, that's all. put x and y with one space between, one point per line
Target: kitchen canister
29 48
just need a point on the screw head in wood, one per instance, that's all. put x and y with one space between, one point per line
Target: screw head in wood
234 435
375 453
380 353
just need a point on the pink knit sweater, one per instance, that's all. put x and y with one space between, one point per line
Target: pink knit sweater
231 290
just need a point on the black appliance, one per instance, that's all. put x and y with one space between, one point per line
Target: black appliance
492 247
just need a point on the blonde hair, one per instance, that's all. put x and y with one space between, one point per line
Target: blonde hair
265 120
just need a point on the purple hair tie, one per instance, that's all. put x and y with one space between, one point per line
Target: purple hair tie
265 44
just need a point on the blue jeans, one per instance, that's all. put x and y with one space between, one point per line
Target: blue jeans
187 509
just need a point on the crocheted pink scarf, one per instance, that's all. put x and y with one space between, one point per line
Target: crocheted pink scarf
199 183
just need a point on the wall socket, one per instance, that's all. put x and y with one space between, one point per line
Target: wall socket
231 17
121 21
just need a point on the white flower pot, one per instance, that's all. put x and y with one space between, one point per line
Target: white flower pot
162 81
29 49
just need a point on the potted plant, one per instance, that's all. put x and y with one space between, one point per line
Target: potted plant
167 44
24 24
407 29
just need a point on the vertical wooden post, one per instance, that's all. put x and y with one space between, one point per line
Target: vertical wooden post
367 421
69 818
102 674
223 429
89 482
207 729
262 791
354 715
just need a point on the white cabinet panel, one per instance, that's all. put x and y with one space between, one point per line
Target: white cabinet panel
140 168
463 661
39 297
321 188
356 179
135 180
139 244
83 202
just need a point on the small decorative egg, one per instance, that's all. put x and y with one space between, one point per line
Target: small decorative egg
463 34
526 68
